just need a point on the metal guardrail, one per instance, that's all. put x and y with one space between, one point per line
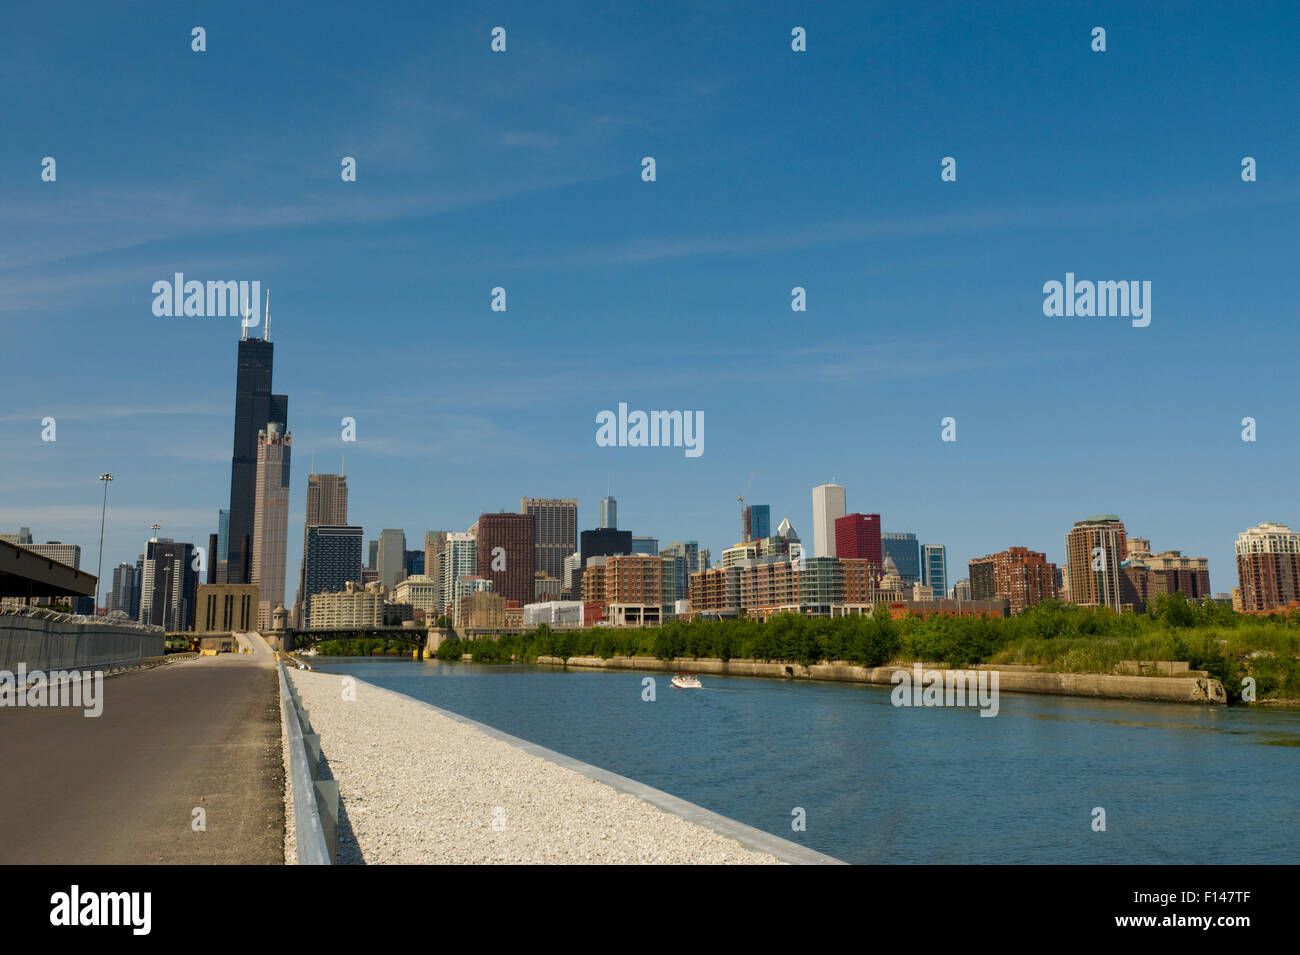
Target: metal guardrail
58 616
315 801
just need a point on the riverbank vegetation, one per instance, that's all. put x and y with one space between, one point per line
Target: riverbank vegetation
364 647
1054 636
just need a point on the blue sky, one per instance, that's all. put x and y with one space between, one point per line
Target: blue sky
775 169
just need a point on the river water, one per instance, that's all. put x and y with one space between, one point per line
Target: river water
885 784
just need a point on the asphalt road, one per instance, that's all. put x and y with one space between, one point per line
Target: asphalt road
122 788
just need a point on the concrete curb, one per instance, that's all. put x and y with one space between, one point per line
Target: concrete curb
749 837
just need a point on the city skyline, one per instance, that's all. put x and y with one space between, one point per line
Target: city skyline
924 298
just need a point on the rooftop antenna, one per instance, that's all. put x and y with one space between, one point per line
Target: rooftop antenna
313 462
266 325
341 470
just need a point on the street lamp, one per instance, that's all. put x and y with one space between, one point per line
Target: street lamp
99 569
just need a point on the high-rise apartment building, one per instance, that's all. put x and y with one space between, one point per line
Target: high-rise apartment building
271 520
828 507
1094 549
1017 574
934 569
1268 567
858 536
434 542
1146 574
571 582
506 551
390 558
555 529
333 560
608 513
906 552
255 407
685 556
458 558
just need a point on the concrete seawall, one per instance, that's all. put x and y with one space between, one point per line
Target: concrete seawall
1012 679
46 644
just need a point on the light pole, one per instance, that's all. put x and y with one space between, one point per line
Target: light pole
99 569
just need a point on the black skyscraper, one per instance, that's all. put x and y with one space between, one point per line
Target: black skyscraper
254 407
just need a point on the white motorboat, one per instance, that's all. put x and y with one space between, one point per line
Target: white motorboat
687 681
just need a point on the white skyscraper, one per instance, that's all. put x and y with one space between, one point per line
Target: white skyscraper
828 506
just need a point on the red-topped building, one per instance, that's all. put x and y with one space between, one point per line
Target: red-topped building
857 536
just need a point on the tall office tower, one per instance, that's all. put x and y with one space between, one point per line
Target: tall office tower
645 545
390 559
857 536
1268 567
905 550
414 563
372 555
756 522
555 523
327 499
934 569
459 558
608 513
69 554
828 507
603 542
126 589
1094 549
961 590
255 406
327 504
506 551
333 558
168 585
221 557
213 563
1019 575
434 542
271 520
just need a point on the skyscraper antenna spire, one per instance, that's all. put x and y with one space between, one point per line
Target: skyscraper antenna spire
266 325
313 462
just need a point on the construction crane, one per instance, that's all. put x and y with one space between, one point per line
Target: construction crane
744 528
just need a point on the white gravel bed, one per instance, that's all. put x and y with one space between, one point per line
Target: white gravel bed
417 787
